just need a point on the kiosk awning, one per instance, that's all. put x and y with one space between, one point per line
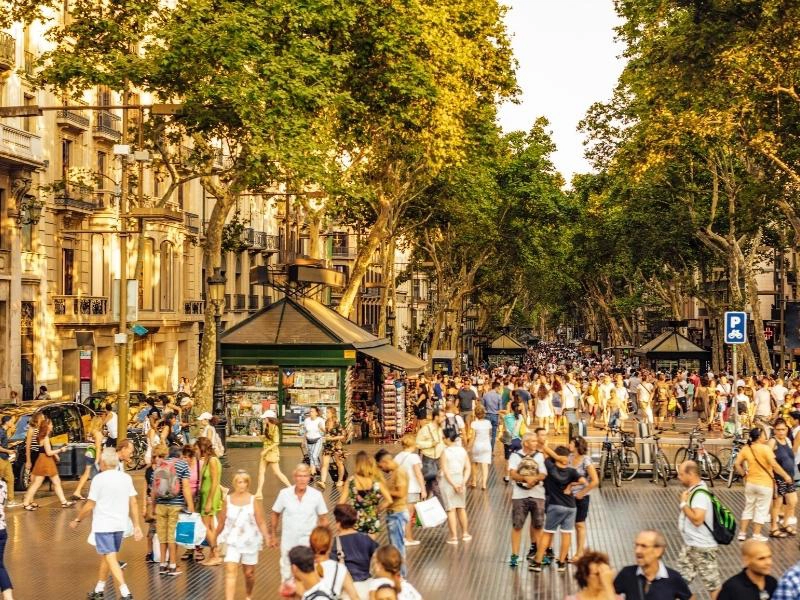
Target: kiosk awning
389 355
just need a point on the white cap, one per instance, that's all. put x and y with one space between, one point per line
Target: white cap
206 416
269 414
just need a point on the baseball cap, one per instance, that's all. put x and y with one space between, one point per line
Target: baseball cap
206 416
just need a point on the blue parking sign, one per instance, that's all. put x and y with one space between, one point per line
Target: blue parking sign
735 327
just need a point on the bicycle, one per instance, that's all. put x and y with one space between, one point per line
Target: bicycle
618 460
727 457
139 440
661 465
707 462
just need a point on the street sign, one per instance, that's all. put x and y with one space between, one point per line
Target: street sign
735 327
139 329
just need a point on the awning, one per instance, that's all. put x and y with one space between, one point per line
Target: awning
389 355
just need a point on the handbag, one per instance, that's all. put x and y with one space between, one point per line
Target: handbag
430 468
430 512
190 530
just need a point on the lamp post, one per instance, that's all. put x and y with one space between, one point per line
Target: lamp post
216 294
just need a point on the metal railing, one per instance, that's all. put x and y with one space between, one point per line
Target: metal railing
241 302
8 51
107 124
343 252
30 63
80 306
227 301
266 301
191 222
252 302
75 196
72 116
194 307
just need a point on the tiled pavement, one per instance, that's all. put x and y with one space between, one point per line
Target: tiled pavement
46 559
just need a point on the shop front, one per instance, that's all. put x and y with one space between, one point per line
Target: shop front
671 351
298 353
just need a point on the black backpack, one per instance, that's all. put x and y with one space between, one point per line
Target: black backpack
451 427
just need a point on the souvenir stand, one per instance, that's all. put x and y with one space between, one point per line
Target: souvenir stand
298 353
505 349
671 351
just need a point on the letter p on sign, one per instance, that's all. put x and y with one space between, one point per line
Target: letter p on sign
735 327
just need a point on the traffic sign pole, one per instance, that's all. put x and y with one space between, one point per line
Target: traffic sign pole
734 387
735 334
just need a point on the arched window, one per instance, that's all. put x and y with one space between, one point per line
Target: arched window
98 280
166 280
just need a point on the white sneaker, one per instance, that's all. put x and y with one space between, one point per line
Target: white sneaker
412 542
13 504
760 538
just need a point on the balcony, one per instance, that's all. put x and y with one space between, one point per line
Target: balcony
30 64
72 119
77 199
8 52
343 253
252 302
80 309
240 302
227 302
191 222
260 241
20 145
195 310
107 127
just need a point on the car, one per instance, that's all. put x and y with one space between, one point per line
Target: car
70 424
98 400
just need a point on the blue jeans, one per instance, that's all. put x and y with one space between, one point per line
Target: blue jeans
493 420
396 528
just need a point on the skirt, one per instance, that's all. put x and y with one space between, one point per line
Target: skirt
45 466
452 499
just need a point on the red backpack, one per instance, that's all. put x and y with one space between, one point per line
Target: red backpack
166 484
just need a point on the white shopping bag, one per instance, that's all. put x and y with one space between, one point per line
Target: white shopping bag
430 512
190 530
156 548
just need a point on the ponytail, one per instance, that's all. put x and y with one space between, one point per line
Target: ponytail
318 568
391 560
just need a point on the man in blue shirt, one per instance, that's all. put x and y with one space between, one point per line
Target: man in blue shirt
6 472
789 585
493 403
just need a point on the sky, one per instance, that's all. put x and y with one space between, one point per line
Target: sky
568 59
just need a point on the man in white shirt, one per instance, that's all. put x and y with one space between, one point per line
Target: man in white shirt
112 502
111 426
302 508
779 392
698 557
763 401
527 494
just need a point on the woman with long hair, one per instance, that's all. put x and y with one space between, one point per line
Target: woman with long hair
544 407
758 482
333 447
45 466
368 493
387 565
92 454
242 527
454 472
580 460
594 577
32 447
557 402
270 452
785 492
480 447
333 574
210 496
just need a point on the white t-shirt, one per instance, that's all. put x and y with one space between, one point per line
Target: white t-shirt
111 492
333 576
569 395
537 491
299 517
698 536
313 428
407 591
407 460
111 426
779 393
763 401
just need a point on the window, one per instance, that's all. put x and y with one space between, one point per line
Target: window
102 161
67 271
166 280
147 291
29 123
66 157
98 266
156 184
180 195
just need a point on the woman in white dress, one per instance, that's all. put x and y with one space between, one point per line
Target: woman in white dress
454 472
481 446
314 434
544 407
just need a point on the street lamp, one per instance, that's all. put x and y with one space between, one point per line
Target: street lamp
216 294
30 210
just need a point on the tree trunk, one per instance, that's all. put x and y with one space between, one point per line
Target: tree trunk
212 258
754 301
383 310
377 233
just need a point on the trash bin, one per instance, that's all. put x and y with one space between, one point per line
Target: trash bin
66 464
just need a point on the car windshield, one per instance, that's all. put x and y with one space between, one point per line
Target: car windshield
21 429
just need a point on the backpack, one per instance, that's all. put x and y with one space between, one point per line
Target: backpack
527 467
724 529
451 427
166 484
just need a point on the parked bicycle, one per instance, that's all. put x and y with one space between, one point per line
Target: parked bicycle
618 460
727 456
661 466
707 462
139 440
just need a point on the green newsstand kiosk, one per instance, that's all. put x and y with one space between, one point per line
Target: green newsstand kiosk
291 355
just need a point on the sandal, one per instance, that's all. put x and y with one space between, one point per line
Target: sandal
777 533
466 537
78 497
453 541
789 530
30 507
68 504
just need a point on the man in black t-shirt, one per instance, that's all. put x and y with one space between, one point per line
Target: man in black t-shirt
560 507
466 401
650 578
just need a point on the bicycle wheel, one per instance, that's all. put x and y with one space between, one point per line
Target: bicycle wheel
601 474
663 467
725 463
630 464
616 470
714 466
680 456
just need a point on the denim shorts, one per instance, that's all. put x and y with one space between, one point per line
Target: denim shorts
108 542
556 517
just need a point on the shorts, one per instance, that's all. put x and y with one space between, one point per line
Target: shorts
413 498
757 503
559 517
108 542
582 509
166 521
232 555
660 409
702 562
783 488
522 507
466 415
